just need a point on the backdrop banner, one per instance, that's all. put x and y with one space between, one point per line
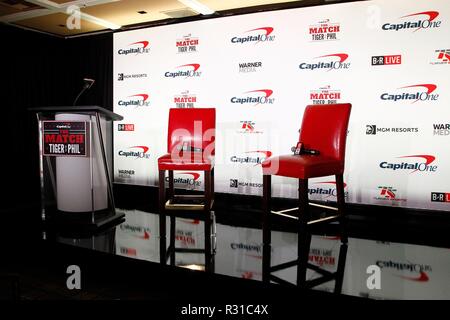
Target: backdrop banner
390 59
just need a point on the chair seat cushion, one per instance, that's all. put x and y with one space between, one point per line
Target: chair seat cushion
188 161
302 166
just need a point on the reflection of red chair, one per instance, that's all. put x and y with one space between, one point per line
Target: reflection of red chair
190 147
324 128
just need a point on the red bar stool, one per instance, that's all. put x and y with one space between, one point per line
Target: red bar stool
191 147
322 140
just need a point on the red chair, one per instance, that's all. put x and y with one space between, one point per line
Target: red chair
190 147
324 129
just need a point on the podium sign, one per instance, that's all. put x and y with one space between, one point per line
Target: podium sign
64 138
75 147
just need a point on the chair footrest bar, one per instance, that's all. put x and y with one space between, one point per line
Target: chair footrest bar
324 220
284 265
170 205
280 281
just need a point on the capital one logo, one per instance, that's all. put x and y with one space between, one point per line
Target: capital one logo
421 163
186 70
257 35
326 188
255 97
415 272
136 231
251 157
187 178
136 100
135 48
418 21
136 152
335 61
413 93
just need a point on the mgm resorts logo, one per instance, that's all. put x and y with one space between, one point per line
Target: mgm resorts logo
235 183
372 129
441 129
123 76
126 174
135 48
324 31
187 44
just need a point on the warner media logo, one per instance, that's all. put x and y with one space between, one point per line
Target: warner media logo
387 193
135 48
186 71
247 67
248 126
413 93
136 152
251 157
325 95
417 21
257 35
136 100
189 179
187 44
417 272
324 31
185 100
386 60
441 129
255 97
413 166
327 189
335 61
126 173
442 57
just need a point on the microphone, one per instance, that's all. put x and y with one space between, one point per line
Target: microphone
87 84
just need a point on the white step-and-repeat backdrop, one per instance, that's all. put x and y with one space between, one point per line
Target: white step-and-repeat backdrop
390 59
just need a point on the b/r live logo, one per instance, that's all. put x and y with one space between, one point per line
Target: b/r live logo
440 197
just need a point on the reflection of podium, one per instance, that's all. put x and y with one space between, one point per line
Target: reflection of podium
75 149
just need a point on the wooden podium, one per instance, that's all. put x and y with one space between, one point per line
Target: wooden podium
75 159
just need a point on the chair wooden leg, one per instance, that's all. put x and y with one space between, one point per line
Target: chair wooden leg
340 269
266 228
208 221
162 217
212 184
341 207
304 237
171 191
173 231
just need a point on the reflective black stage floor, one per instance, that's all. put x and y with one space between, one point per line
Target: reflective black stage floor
122 261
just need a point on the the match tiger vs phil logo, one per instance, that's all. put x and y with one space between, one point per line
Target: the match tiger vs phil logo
325 95
324 31
185 99
187 44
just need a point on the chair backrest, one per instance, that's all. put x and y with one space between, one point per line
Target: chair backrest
194 127
324 128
